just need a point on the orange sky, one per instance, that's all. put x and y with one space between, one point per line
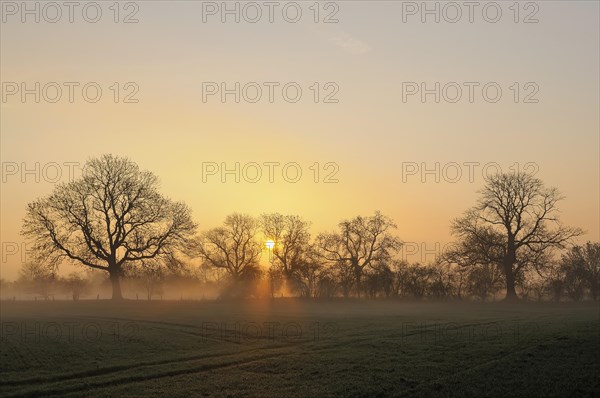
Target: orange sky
370 135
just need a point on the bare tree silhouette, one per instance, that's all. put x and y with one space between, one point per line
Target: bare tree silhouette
36 278
112 216
513 226
360 242
581 266
233 247
291 237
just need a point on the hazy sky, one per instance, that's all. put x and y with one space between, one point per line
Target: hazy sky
370 135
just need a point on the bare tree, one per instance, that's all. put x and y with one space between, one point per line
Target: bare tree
291 237
307 277
344 276
460 279
484 280
417 279
513 226
443 283
76 285
581 265
36 278
233 247
399 268
326 286
112 216
556 283
379 280
533 286
360 242
150 275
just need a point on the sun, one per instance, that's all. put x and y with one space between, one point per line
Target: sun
270 244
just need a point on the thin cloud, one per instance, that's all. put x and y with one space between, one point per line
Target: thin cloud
349 44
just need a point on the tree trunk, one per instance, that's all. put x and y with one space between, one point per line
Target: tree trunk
357 274
116 285
509 274
511 293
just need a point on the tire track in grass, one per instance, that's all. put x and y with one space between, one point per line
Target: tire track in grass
87 384
84 377
333 347
117 368
120 368
191 333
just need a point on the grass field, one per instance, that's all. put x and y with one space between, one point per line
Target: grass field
294 348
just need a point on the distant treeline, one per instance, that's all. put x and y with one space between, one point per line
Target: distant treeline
568 278
114 219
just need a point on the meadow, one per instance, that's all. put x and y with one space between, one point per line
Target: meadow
298 348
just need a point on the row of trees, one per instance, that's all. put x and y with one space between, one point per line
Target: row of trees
114 219
44 282
573 277
343 256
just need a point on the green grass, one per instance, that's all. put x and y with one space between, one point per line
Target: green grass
347 348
